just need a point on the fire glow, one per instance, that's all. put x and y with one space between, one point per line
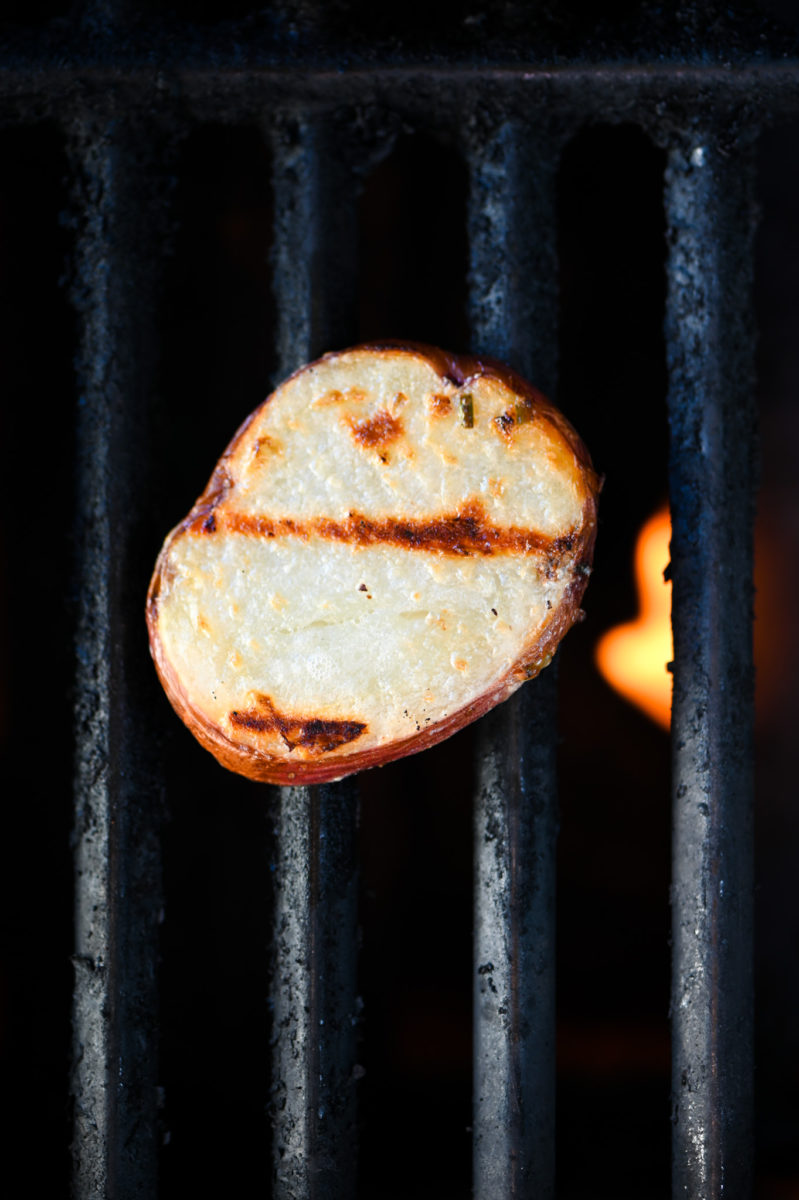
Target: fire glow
633 657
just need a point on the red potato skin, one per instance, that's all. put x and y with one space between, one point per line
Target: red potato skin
537 653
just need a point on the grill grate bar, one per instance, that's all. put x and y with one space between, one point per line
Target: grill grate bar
315 942
217 88
118 801
513 305
315 241
710 346
315 1007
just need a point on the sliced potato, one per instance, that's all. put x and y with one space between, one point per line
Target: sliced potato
392 543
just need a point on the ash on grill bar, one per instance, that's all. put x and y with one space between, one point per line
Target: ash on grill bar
350 990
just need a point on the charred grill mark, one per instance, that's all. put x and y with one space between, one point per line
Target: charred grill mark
464 533
322 736
376 432
315 734
267 527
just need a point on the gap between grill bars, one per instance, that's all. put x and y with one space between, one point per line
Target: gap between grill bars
512 167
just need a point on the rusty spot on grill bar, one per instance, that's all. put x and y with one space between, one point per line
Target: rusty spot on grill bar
376 431
464 533
316 734
439 405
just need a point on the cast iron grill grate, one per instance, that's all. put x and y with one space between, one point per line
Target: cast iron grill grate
507 92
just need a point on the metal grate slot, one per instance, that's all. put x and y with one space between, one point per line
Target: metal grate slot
36 660
217 840
413 247
614 792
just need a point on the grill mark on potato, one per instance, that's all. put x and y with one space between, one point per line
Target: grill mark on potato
464 533
376 432
316 734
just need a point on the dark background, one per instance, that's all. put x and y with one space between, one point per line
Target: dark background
613 916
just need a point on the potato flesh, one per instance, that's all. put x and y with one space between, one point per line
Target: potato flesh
434 466
290 620
392 637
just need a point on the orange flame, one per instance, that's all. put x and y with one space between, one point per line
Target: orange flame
633 657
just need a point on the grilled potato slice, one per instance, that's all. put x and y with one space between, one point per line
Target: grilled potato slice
391 544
